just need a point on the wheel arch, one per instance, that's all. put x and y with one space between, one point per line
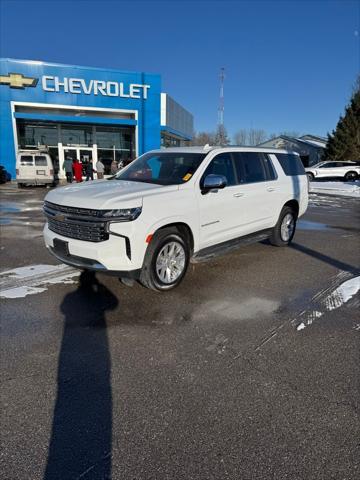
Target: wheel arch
183 228
294 204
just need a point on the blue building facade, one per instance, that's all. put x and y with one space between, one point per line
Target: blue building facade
81 112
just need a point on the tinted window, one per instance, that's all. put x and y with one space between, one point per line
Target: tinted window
328 165
166 168
222 165
291 164
250 167
26 160
269 168
40 161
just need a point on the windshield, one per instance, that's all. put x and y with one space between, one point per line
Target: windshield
164 168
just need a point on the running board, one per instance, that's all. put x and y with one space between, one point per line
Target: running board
214 251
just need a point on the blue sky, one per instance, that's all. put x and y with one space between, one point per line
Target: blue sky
290 65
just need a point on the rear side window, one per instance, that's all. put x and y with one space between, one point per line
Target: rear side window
222 165
40 161
291 164
26 160
251 167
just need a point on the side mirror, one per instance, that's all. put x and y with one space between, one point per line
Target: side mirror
213 182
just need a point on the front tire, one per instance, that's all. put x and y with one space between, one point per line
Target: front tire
166 260
310 176
284 231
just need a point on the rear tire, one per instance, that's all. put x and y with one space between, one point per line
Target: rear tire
20 185
284 231
166 260
349 176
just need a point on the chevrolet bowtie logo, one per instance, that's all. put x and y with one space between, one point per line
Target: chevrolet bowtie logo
17 80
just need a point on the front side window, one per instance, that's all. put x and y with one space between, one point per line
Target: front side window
40 161
222 164
166 168
250 167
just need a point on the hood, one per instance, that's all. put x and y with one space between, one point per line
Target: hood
105 194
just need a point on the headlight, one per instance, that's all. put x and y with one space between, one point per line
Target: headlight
123 214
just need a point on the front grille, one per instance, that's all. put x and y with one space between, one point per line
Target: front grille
86 212
79 223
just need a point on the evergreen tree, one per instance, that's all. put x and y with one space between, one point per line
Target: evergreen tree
344 142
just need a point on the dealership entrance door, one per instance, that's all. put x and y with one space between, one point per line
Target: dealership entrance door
83 154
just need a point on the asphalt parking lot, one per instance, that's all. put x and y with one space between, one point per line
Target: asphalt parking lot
249 370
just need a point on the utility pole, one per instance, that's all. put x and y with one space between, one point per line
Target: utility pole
221 128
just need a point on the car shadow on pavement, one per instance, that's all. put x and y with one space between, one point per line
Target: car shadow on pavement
324 258
81 435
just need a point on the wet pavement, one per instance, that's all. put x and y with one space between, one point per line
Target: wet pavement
249 370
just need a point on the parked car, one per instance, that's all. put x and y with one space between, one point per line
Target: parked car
34 168
173 205
4 175
330 169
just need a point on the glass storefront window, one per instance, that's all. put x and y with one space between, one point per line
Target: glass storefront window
33 134
110 137
107 155
76 135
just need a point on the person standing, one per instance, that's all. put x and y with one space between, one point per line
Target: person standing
114 167
68 167
77 166
89 170
100 168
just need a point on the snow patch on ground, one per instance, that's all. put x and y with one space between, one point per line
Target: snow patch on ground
33 279
328 302
343 293
347 189
21 292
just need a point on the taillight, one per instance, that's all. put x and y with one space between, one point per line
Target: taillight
51 172
17 171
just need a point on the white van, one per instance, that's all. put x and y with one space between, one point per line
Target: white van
168 206
34 167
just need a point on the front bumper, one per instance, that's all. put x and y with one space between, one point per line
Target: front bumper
88 264
110 256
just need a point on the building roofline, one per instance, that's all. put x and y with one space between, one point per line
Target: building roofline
67 65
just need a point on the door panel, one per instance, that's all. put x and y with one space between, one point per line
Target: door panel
260 191
218 208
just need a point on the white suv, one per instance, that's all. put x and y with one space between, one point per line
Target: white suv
173 205
332 169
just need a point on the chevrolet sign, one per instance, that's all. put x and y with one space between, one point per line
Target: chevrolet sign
95 87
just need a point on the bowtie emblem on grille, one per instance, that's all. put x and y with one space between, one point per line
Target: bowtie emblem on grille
59 217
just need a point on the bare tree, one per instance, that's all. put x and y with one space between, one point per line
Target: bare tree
203 138
240 137
257 136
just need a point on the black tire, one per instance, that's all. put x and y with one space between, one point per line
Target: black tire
149 276
276 237
310 176
20 185
350 176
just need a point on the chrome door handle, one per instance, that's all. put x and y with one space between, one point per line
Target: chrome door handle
237 195
270 189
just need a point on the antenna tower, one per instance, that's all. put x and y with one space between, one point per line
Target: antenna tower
221 128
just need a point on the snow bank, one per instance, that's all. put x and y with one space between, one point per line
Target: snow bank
348 189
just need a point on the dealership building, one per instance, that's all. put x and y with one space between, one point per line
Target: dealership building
85 113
